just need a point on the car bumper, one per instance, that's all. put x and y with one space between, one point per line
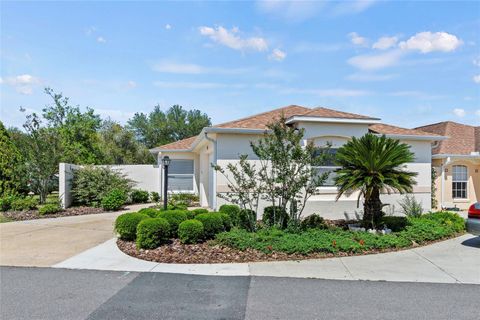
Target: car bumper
473 226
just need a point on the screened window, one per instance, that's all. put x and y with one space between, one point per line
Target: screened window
180 175
459 182
327 165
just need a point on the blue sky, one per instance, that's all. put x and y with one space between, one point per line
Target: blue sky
409 63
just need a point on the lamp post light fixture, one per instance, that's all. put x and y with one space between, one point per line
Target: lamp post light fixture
165 162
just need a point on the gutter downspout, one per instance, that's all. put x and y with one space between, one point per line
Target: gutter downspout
214 176
443 181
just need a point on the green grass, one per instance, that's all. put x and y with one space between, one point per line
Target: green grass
420 230
4 219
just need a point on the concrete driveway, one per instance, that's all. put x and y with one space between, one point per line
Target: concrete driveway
45 242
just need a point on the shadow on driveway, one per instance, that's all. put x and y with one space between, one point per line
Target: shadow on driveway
472 242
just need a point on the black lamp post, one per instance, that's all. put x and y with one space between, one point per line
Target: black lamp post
165 163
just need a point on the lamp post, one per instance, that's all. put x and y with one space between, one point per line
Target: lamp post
165 163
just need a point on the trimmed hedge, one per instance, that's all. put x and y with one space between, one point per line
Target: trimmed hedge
126 225
212 223
154 196
152 232
114 200
151 212
232 210
139 196
174 218
227 221
275 215
190 231
313 221
395 223
23 204
49 208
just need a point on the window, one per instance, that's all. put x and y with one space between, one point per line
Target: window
327 166
180 175
460 180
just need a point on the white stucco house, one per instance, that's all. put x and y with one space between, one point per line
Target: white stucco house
191 170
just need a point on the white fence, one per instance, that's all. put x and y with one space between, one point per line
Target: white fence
145 176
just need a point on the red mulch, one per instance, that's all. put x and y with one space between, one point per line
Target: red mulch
33 214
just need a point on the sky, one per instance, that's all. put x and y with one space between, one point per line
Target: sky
408 63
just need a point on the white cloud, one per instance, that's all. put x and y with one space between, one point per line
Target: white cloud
168 26
476 62
427 41
376 61
459 112
368 77
101 40
232 39
190 68
278 55
196 85
384 43
23 84
90 30
357 40
476 78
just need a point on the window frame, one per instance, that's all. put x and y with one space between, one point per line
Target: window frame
192 175
456 190
328 167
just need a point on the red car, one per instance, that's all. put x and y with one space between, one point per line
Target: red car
473 221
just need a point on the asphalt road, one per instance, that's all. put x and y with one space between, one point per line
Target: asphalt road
46 293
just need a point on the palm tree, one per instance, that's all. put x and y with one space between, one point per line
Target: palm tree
373 164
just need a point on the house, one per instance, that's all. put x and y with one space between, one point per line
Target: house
457 164
191 170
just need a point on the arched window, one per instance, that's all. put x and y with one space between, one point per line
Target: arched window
459 182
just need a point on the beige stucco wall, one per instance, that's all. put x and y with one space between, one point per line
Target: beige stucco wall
473 186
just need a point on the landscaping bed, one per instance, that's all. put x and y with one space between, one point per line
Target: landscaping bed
34 214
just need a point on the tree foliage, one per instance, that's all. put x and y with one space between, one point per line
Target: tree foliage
160 127
10 160
371 165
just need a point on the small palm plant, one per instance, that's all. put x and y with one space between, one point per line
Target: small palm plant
373 164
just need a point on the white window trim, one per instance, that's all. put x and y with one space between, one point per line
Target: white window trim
466 199
193 191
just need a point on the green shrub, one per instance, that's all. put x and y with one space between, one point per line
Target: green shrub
49 208
190 231
126 225
6 203
91 184
313 221
275 216
24 204
212 223
232 210
151 212
114 200
247 219
139 196
449 219
154 196
227 221
191 214
152 232
410 206
395 223
186 199
174 218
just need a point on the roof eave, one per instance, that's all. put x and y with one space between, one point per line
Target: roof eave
413 137
331 120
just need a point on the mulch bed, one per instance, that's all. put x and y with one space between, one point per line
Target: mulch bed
33 214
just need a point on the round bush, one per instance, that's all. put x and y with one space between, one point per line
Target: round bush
154 196
23 204
212 223
126 225
49 208
313 221
139 196
247 219
114 200
232 210
174 218
275 215
395 223
152 232
151 212
190 231
227 221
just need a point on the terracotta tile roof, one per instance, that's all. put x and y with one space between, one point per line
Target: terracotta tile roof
260 121
463 139
329 113
178 145
382 128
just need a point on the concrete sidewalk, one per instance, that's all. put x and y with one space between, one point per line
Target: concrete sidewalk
44 242
451 261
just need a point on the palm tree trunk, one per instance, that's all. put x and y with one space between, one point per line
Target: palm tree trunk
372 211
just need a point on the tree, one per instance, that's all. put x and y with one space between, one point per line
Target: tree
77 130
285 176
10 159
119 146
158 127
371 165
